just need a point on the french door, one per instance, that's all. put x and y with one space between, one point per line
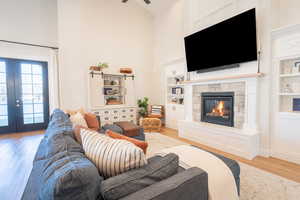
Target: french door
24 100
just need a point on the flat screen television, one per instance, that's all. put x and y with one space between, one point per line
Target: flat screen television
223 45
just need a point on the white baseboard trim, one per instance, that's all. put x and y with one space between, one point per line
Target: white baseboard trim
287 156
265 152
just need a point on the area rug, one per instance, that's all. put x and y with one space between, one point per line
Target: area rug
256 184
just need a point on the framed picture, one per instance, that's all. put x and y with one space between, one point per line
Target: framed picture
296 104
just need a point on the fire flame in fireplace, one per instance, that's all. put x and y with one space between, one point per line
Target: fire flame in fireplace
219 110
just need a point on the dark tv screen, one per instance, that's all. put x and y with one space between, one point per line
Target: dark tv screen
230 42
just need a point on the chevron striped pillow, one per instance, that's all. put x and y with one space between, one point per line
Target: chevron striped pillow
111 156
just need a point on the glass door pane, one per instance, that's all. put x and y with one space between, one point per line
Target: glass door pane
3 96
32 93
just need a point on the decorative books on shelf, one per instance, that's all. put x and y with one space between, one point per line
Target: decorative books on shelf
296 104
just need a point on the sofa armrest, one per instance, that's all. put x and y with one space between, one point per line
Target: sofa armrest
191 184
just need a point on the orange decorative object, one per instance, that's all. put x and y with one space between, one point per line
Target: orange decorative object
92 121
141 144
126 70
113 102
95 68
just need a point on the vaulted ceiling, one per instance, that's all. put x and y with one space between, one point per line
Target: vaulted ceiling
157 6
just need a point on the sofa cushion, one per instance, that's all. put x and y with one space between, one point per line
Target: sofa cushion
78 119
92 121
141 144
69 176
111 127
117 129
77 130
155 171
58 137
111 156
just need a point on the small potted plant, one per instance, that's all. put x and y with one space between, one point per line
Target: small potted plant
99 67
143 107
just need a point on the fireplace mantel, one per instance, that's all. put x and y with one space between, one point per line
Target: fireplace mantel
217 78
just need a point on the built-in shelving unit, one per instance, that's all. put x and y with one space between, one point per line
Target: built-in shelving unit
111 88
175 92
175 89
285 76
112 97
289 83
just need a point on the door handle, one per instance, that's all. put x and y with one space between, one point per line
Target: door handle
18 105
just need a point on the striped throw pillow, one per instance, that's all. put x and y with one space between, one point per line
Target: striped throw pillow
111 156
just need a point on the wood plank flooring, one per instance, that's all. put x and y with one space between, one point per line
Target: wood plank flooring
17 152
16 155
281 168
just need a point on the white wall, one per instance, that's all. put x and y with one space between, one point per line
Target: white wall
169 44
287 12
31 21
91 31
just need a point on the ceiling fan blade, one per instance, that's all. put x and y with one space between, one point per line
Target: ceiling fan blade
146 1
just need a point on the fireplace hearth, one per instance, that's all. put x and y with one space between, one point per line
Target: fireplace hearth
218 108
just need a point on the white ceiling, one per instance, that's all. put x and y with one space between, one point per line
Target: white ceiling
156 6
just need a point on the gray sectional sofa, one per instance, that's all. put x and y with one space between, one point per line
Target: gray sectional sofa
61 172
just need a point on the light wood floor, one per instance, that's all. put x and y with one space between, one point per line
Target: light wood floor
16 155
281 168
18 150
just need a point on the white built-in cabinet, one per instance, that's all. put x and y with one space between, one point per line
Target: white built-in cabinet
285 134
97 97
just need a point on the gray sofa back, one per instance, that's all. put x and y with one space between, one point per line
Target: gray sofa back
60 168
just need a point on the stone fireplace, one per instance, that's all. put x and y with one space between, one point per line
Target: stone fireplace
222 113
232 94
218 108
